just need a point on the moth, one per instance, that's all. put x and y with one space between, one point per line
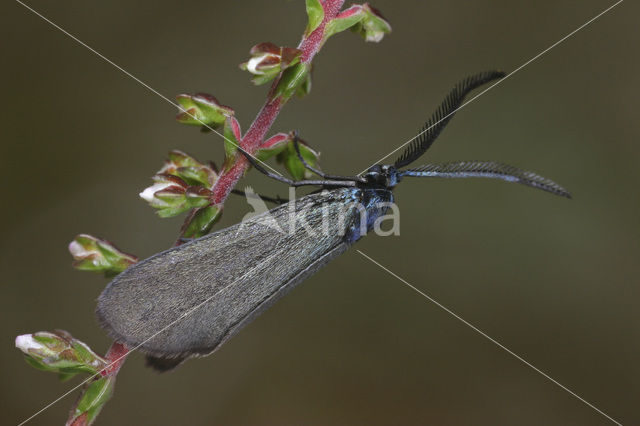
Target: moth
189 300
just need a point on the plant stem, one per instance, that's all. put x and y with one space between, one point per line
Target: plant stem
310 46
115 356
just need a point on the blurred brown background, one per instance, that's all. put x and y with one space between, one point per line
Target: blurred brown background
554 280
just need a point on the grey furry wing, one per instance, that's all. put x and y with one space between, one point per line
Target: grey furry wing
189 300
162 364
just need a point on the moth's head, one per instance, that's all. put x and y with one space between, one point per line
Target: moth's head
382 176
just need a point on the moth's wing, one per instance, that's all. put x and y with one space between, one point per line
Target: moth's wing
161 364
189 300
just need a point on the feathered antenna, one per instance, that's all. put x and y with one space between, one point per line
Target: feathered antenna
443 115
487 169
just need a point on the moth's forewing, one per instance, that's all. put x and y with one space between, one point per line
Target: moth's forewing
190 299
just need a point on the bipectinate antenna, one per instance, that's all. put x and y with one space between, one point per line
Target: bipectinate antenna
443 115
487 169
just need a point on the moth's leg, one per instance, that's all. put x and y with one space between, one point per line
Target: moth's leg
296 145
328 182
276 200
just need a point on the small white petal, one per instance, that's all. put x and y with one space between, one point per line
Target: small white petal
77 250
25 342
147 194
374 36
254 62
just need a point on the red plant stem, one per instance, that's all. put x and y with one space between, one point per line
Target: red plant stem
310 45
115 357
80 421
250 142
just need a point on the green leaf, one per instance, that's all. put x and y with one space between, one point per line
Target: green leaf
199 176
202 221
345 20
305 87
188 169
315 13
231 142
93 399
289 158
172 211
261 79
198 196
85 355
63 377
272 146
38 365
291 80
202 109
181 159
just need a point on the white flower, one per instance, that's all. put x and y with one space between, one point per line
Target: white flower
148 194
252 65
77 250
26 342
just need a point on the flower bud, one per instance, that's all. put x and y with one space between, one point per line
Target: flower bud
59 352
163 182
268 60
189 169
373 25
202 109
93 254
171 195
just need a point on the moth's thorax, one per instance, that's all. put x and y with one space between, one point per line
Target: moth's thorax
372 204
